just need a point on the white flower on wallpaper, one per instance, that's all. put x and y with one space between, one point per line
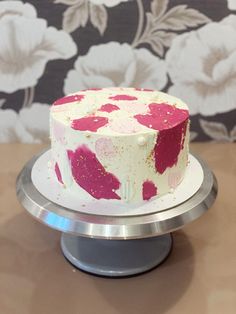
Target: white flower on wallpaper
230 20
202 67
26 45
232 4
31 125
115 64
108 3
11 9
11 129
35 121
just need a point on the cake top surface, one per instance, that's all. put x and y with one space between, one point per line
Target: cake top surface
120 110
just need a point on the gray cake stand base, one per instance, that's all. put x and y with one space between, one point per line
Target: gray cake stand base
114 246
116 258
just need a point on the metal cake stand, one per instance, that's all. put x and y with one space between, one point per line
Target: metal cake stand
114 246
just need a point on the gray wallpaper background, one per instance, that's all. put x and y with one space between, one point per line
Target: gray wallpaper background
49 48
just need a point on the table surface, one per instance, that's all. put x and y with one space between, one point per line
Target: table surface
198 277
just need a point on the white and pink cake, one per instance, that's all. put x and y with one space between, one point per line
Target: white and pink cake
123 144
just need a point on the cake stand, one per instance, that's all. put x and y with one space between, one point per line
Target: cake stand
114 246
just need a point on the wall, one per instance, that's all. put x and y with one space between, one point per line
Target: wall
49 48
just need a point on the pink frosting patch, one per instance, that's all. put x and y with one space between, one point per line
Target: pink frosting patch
90 174
89 123
59 132
174 179
149 190
70 154
172 123
133 108
58 173
123 97
125 126
168 146
109 108
105 148
68 99
162 116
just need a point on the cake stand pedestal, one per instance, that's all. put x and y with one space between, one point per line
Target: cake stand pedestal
115 258
115 246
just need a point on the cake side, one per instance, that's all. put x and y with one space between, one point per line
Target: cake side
117 143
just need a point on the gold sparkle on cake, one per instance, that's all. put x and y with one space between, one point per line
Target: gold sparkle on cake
149 160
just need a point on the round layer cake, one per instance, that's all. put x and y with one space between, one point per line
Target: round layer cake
123 144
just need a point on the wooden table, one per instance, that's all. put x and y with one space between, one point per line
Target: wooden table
198 277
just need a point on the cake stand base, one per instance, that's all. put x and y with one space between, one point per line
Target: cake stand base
115 258
115 245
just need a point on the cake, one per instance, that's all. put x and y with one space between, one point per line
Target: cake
122 144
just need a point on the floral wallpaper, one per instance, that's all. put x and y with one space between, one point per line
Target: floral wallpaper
49 48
